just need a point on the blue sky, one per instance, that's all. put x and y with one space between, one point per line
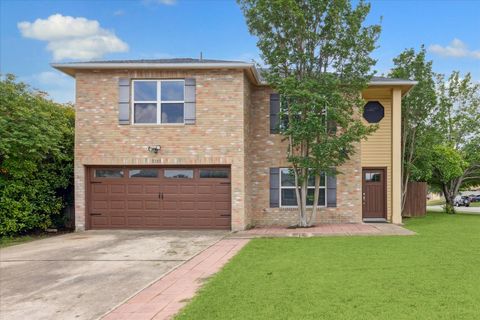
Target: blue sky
35 33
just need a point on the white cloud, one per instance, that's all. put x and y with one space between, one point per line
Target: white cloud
457 48
119 12
73 38
60 87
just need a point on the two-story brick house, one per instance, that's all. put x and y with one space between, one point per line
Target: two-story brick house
187 143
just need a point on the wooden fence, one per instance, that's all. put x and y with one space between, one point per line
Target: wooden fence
69 216
416 202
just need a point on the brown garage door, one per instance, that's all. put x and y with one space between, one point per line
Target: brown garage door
159 198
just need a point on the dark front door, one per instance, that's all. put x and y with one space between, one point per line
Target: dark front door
374 193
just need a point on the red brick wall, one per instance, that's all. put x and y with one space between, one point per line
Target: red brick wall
216 138
268 150
232 128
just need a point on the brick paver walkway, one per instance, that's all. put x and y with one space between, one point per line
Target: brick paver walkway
164 298
323 230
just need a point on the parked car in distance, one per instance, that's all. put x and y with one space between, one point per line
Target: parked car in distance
474 198
461 201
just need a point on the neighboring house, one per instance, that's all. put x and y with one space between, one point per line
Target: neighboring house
470 192
187 143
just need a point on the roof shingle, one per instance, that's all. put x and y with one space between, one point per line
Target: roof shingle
70 67
172 60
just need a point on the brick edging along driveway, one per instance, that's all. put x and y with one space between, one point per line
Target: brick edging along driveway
165 297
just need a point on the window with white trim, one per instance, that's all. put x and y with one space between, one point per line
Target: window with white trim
288 196
158 101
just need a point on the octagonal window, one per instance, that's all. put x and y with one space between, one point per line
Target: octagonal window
373 112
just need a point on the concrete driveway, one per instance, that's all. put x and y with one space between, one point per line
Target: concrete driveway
84 275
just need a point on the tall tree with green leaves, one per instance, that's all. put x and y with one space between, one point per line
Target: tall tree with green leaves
457 120
417 109
318 58
36 158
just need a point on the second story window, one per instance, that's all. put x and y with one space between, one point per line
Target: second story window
158 101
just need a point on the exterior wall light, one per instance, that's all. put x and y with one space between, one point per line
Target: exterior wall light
153 149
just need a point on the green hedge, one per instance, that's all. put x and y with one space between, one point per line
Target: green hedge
36 158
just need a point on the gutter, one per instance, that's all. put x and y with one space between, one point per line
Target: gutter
69 68
147 65
393 83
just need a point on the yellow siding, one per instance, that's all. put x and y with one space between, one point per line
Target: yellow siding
377 149
397 155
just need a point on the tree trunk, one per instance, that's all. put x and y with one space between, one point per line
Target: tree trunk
407 160
449 198
316 194
303 201
298 196
405 182
456 185
301 194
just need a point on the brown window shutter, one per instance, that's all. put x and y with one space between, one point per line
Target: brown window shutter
274 187
274 113
190 101
123 101
331 191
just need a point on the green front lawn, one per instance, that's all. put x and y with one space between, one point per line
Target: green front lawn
475 204
37 235
433 275
11 241
436 202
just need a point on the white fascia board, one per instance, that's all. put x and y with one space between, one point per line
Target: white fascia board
393 83
87 65
66 67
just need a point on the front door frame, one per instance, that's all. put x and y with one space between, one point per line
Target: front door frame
385 181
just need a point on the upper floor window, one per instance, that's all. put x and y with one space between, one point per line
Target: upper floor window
158 101
373 112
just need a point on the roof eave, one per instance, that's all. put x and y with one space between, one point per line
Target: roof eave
70 68
380 83
393 83
405 85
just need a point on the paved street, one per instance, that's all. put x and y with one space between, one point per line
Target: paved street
473 210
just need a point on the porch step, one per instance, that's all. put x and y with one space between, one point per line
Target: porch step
375 220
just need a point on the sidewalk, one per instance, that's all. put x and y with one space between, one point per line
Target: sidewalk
325 230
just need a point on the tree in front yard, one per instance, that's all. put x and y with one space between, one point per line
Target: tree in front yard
318 58
36 158
456 159
417 109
